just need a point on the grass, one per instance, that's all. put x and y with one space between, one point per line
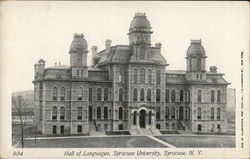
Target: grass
199 141
94 142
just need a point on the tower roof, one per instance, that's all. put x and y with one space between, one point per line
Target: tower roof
78 44
196 48
140 21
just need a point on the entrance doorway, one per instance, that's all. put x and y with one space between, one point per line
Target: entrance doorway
142 118
181 113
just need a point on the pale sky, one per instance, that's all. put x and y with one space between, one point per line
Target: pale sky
33 30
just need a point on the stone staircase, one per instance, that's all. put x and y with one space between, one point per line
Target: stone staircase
144 132
185 127
133 132
155 131
97 133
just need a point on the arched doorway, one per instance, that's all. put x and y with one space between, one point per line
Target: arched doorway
90 113
181 113
142 118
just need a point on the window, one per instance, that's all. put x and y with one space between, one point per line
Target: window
218 113
199 96
158 113
212 95
80 93
54 129
218 96
120 126
199 113
142 52
62 113
199 64
173 95
158 77
149 76
167 126
149 95
99 112
181 95
149 117
81 72
77 72
120 95
106 94
142 95
199 127
212 127
135 75
212 113
167 95
105 112
90 113
135 95
166 113
120 113
79 128
62 93
218 128
90 94
188 95
142 75
158 126
134 118
188 113
158 95
173 113
173 126
121 75
54 113
79 113
55 92
62 129
99 94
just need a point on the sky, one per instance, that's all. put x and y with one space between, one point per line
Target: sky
33 30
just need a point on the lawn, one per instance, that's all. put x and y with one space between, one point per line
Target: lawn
94 142
199 141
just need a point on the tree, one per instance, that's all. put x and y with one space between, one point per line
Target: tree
19 104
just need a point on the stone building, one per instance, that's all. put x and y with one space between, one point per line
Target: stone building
128 87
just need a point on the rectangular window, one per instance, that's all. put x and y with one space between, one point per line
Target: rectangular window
54 129
62 129
79 128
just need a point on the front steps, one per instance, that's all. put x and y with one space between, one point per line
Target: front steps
144 131
97 133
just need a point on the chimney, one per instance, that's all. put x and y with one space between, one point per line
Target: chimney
94 51
213 69
158 45
108 46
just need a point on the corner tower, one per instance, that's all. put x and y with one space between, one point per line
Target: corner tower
196 61
78 56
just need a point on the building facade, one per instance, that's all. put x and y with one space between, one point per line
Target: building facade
128 87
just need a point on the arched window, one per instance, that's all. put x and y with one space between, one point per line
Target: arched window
188 96
80 93
167 95
158 95
135 95
134 119
122 72
199 64
105 112
54 113
149 117
142 52
158 113
173 113
106 94
188 113
158 77
149 95
62 113
90 94
199 96
120 112
218 96
199 113
212 113
166 113
99 94
90 113
135 76
120 95
218 128
181 95
212 95
55 93
142 75
142 95
149 76
79 113
218 113
62 93
99 112
173 95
